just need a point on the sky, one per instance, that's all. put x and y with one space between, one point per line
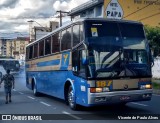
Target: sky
14 14
156 68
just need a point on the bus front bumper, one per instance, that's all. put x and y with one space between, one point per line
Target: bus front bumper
119 97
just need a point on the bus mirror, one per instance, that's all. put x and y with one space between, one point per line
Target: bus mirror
151 59
84 57
0 75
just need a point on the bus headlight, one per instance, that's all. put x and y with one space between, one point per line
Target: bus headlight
95 90
105 89
147 86
99 90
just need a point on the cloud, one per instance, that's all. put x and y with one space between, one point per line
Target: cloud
61 5
67 5
8 3
14 14
2 2
21 27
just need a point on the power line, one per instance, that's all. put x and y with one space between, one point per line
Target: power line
140 9
149 16
25 17
60 16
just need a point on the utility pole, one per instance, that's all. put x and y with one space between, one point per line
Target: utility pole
30 30
60 16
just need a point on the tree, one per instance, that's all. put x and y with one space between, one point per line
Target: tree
153 35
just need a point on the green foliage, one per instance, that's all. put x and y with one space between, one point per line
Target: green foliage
153 35
156 85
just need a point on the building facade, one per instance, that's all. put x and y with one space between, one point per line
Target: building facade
3 47
17 48
145 11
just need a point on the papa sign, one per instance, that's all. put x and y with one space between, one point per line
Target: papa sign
114 10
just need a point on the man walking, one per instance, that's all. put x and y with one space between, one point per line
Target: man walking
8 85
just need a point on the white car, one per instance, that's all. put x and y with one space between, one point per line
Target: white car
2 70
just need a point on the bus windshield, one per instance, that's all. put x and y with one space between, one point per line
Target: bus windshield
117 50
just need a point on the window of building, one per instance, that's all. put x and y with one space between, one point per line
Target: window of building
99 11
48 46
76 35
35 50
4 52
83 14
91 13
30 52
56 42
66 39
41 48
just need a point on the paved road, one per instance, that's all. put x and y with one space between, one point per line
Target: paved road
25 103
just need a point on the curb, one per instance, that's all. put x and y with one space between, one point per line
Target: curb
156 91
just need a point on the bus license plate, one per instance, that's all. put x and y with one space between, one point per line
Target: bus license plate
124 97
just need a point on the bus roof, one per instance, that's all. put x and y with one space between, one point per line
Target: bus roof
7 59
83 20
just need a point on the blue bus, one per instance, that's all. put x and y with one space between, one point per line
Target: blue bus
10 63
92 61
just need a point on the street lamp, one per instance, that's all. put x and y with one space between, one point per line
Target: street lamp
31 21
30 29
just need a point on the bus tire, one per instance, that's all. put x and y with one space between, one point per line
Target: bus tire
35 90
122 104
71 99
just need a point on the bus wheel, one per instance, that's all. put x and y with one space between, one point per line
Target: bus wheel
70 99
35 90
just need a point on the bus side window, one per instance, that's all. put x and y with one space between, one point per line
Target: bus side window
35 50
81 66
75 61
66 39
41 48
27 54
48 46
77 65
30 52
76 35
56 42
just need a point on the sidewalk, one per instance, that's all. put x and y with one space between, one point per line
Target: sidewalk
156 86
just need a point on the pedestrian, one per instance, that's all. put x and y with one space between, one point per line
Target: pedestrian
8 80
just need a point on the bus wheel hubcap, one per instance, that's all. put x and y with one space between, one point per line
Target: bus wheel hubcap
34 90
71 98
